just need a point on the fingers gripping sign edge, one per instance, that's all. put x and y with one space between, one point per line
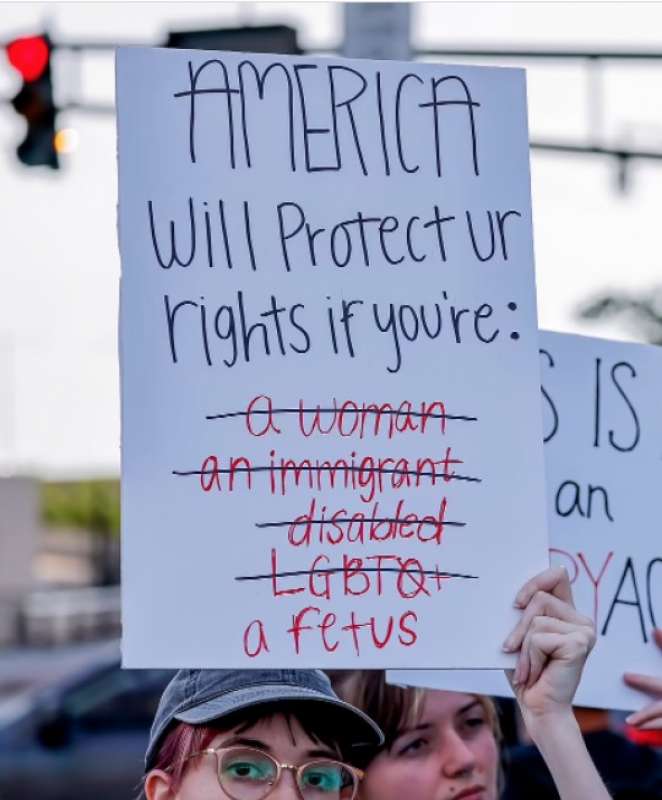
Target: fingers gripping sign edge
554 580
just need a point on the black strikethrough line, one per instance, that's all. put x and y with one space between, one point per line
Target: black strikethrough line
328 468
330 521
332 570
392 412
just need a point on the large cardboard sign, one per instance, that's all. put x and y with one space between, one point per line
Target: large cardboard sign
331 444
603 456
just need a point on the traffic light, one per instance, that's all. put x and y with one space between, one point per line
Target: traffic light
31 57
249 39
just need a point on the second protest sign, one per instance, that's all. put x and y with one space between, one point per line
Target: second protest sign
603 445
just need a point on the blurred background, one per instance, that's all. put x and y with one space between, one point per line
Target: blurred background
595 113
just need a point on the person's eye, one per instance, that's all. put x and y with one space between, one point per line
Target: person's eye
414 747
247 771
325 779
474 723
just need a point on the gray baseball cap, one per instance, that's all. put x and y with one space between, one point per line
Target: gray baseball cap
198 696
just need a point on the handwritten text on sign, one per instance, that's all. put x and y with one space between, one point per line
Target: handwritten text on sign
331 427
603 450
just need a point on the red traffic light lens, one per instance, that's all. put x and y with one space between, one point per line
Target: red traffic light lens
29 55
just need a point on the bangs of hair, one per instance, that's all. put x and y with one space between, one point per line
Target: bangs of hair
391 707
323 724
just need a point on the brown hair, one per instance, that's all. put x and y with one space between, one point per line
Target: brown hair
393 707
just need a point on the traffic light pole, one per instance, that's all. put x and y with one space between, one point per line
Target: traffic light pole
593 58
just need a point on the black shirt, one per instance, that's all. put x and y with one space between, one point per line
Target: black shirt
630 771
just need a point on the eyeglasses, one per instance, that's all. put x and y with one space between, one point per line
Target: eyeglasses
245 773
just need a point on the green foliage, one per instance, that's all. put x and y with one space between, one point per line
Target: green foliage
88 505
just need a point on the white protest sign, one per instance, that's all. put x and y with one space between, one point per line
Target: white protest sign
330 420
603 451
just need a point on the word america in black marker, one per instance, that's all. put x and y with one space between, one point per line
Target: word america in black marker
241 98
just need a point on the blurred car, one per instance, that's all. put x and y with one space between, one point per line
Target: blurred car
81 738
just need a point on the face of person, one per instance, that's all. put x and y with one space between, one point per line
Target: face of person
282 738
451 754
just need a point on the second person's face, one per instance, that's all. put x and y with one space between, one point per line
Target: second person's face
451 754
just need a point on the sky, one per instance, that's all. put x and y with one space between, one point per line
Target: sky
59 269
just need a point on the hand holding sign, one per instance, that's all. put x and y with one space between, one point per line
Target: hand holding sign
553 640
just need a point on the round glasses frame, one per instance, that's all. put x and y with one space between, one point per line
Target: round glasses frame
219 752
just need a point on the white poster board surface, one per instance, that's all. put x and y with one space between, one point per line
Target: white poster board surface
329 361
603 451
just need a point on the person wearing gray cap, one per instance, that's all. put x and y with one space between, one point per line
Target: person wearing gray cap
255 734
